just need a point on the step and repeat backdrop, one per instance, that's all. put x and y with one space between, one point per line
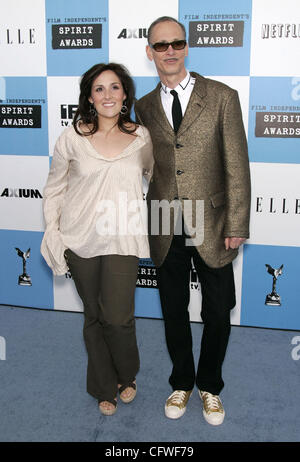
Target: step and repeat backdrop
251 45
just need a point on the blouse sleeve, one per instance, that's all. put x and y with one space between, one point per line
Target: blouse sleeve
148 159
52 247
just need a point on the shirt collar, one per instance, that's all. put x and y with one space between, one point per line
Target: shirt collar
180 87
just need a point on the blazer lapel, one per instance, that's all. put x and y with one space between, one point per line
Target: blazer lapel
196 104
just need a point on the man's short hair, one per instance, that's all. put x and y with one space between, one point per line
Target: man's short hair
164 19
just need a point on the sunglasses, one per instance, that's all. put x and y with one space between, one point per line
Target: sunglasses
163 46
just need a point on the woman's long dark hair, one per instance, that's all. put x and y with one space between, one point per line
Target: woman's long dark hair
84 115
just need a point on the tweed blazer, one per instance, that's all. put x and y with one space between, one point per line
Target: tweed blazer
206 160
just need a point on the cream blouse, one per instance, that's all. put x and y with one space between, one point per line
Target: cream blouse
94 205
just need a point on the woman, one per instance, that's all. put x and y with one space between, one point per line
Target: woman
97 164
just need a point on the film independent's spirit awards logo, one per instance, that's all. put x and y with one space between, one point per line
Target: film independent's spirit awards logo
24 278
273 299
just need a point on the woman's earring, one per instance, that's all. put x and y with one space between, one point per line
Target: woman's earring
124 109
93 111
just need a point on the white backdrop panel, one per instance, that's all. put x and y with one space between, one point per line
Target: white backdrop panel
22 38
127 32
275 38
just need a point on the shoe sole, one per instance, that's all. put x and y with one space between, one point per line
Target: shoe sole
174 417
215 424
108 411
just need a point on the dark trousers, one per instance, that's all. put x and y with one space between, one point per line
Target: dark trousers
218 298
106 286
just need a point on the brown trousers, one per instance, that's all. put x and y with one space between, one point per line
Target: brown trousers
106 285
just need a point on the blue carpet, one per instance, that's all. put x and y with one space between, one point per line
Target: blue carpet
43 395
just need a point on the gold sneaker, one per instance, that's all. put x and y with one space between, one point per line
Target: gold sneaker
213 410
175 405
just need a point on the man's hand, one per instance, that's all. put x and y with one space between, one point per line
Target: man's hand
233 242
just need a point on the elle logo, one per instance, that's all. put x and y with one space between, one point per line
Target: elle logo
17 36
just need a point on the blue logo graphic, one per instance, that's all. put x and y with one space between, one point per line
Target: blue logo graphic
76 40
23 116
274 119
26 279
267 302
219 36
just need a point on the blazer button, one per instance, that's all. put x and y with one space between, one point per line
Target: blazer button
180 172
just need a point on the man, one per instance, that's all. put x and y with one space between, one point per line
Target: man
204 159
